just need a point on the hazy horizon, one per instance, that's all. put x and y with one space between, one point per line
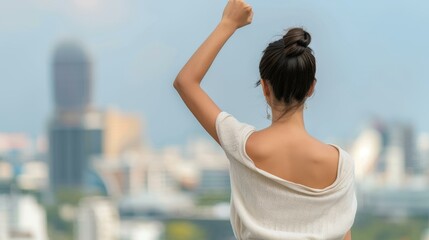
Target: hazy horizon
370 61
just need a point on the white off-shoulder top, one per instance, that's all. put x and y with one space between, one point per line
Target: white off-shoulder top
264 206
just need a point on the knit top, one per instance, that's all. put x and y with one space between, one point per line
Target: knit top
264 206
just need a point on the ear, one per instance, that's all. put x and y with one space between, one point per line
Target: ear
311 90
266 90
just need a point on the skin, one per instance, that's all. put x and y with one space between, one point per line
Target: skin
276 148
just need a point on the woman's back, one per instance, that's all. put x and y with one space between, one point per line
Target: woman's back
271 200
291 154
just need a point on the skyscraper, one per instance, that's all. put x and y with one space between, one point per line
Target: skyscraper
72 78
75 129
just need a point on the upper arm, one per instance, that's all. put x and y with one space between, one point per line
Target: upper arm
201 106
255 148
348 235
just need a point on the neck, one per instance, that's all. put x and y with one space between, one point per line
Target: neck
294 118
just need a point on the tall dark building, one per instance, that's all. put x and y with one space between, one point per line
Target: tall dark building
399 136
75 129
72 78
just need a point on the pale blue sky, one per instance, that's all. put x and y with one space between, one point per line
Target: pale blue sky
372 60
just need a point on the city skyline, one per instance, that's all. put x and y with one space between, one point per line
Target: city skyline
87 107
367 66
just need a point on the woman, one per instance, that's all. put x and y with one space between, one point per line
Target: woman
285 184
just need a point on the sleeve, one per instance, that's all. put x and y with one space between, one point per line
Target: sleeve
232 136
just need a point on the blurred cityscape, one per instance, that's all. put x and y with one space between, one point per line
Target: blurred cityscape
92 176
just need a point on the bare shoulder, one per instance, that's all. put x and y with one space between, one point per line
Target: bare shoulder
326 154
262 145
327 159
257 146
295 157
330 151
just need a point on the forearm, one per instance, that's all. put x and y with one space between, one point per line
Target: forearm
197 66
236 14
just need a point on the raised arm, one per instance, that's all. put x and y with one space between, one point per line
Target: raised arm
237 14
348 235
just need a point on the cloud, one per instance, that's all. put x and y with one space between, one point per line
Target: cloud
98 13
16 16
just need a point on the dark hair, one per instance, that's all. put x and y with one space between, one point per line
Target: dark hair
289 66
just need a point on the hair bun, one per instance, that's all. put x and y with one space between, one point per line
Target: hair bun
296 41
305 40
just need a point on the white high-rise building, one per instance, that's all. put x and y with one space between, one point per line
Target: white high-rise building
21 217
97 219
395 166
366 152
423 151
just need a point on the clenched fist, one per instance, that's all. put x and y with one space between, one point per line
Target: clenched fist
237 13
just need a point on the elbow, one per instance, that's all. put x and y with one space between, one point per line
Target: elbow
177 83
183 81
